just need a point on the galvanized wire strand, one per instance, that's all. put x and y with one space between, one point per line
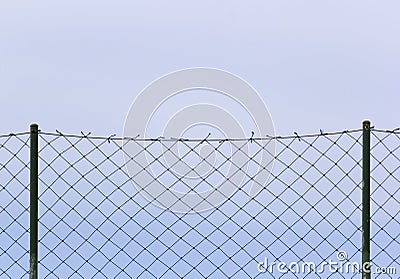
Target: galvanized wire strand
138 138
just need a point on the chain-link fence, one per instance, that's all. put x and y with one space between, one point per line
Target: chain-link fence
385 200
94 223
14 205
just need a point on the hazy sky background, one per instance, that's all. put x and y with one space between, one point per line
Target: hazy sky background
78 65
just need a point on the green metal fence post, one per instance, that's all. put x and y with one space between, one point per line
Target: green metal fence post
366 199
34 182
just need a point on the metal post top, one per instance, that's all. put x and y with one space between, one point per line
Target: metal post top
34 128
366 125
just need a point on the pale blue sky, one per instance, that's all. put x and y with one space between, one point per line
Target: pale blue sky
78 65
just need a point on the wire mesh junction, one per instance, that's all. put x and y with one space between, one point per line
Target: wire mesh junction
95 222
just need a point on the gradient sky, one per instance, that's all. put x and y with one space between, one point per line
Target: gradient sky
78 65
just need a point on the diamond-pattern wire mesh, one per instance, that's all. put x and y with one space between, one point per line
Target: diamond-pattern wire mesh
93 222
385 201
14 205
